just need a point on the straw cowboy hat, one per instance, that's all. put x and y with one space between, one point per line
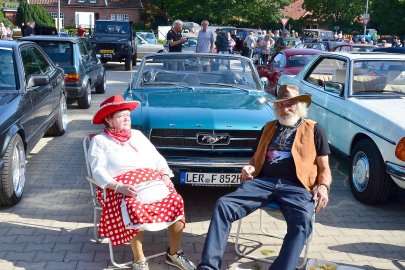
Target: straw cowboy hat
111 105
291 92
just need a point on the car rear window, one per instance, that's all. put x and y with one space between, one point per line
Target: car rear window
7 71
61 52
300 60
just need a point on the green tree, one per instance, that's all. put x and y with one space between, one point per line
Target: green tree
249 13
27 12
343 13
388 16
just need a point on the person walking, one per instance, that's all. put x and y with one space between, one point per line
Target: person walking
81 31
3 31
291 168
280 42
231 43
250 44
205 39
29 29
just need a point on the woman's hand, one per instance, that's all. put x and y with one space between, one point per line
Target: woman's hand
127 190
247 172
167 181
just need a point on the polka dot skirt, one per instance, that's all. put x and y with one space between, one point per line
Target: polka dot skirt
111 222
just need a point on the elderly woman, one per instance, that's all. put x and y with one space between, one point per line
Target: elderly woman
123 160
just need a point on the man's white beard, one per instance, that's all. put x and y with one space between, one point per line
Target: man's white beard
289 120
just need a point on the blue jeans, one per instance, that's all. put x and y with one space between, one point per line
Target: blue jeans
295 203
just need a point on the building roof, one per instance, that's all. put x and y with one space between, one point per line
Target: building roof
295 10
87 3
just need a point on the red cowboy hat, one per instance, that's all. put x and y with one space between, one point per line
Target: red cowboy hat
111 105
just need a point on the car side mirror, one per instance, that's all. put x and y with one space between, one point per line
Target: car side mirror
37 80
264 81
334 87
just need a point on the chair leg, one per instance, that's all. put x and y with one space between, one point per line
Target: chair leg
119 265
95 225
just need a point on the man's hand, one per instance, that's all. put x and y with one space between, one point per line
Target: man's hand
247 172
320 194
167 181
127 190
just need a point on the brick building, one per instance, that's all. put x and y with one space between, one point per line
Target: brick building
100 9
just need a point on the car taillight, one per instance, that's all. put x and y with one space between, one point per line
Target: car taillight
400 150
72 77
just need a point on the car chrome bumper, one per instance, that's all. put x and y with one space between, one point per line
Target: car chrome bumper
395 170
208 162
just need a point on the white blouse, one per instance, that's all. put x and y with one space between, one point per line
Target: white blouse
108 158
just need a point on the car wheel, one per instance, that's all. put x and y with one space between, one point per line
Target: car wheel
13 175
59 128
368 180
100 88
85 101
128 62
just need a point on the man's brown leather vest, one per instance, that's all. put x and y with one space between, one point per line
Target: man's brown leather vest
303 151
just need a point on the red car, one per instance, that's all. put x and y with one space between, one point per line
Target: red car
286 62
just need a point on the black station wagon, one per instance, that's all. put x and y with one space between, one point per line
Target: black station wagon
83 71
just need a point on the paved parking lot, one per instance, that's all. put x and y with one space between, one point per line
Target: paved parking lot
51 228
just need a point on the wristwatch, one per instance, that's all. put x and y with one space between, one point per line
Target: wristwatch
325 185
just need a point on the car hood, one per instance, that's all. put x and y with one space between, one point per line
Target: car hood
205 109
391 109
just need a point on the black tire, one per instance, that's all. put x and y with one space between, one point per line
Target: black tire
70 101
369 182
128 62
85 101
100 88
134 58
13 174
59 128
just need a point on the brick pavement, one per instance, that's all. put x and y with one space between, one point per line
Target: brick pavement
51 228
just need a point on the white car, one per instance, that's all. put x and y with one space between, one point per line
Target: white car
144 47
359 100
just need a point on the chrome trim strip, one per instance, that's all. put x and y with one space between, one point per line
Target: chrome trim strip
203 149
194 138
357 124
395 170
207 164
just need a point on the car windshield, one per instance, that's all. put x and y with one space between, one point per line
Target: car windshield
112 27
299 60
7 70
59 51
198 70
384 77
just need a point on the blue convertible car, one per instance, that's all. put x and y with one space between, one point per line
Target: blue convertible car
203 112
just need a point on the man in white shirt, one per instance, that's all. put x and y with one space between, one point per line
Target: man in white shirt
205 40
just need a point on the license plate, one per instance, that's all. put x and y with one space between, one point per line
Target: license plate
209 179
107 51
107 55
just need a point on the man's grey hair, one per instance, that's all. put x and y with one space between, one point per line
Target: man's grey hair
205 22
177 22
286 32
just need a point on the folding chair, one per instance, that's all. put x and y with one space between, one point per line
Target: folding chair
98 208
273 210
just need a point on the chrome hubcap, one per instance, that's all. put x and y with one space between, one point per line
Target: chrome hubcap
18 166
361 171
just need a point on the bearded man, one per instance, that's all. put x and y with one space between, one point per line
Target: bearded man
291 168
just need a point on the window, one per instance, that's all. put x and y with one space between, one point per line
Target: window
112 16
82 49
119 17
34 62
126 17
62 17
329 70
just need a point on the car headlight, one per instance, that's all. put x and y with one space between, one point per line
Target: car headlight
400 149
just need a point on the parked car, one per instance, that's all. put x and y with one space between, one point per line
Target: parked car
214 107
390 50
321 34
144 47
190 45
148 37
32 103
321 45
359 99
356 47
83 70
114 41
285 62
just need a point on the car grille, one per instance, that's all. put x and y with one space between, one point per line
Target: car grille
187 139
